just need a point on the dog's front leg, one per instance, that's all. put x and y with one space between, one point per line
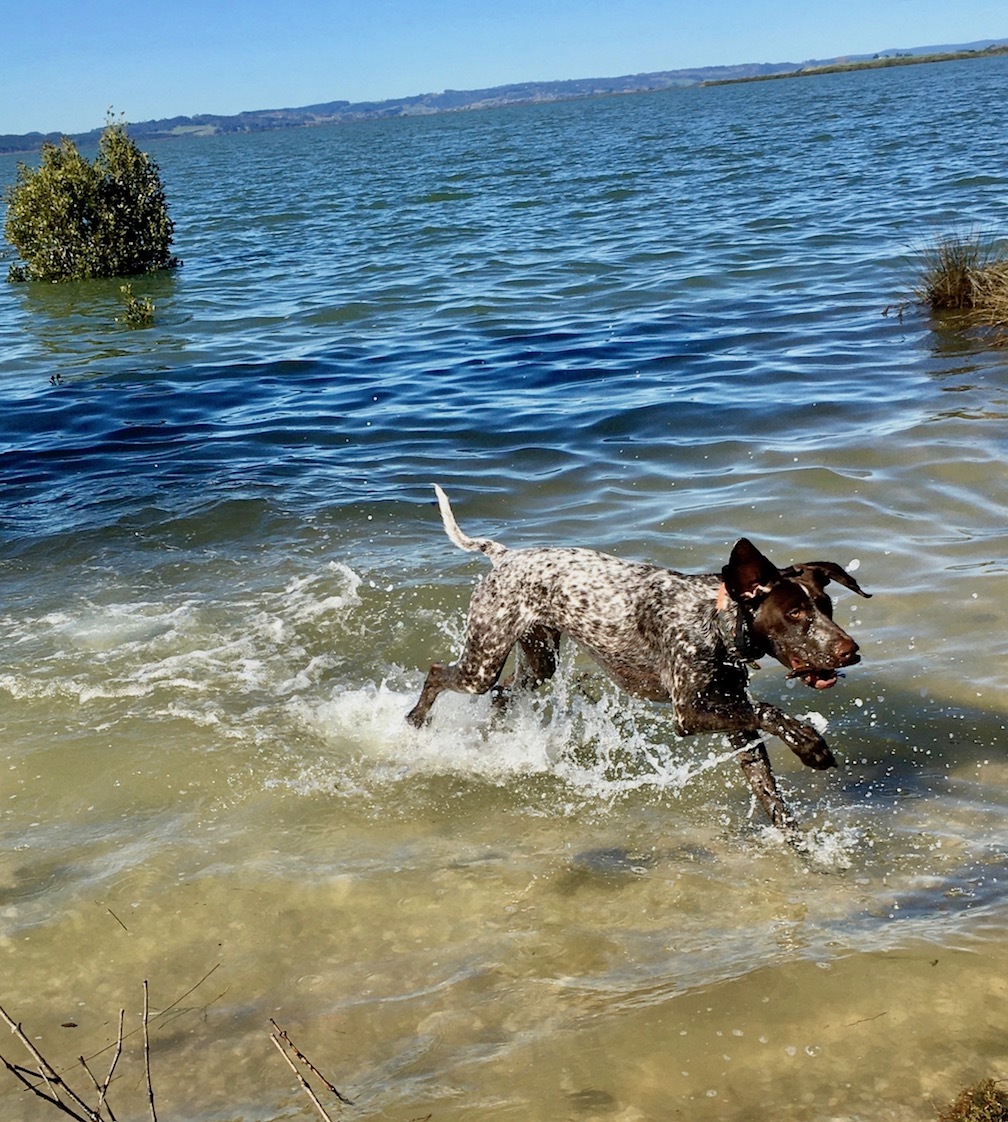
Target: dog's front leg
752 756
800 737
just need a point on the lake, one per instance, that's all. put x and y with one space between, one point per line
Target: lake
648 324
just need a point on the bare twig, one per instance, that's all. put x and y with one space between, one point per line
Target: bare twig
300 1078
118 920
112 1066
865 1020
45 1071
146 1041
22 1074
47 1084
48 1075
191 989
167 1009
102 1088
96 1114
282 1034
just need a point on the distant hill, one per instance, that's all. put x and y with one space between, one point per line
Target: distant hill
449 101
881 61
944 48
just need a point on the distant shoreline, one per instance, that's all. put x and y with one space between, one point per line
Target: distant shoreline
523 93
881 63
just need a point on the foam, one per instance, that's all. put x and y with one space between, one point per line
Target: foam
600 748
191 655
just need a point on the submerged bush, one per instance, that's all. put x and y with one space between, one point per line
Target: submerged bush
966 273
139 310
983 1102
70 219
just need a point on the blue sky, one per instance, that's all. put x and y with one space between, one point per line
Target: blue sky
66 61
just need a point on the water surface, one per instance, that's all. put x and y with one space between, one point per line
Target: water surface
648 324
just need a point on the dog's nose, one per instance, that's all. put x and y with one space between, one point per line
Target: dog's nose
847 651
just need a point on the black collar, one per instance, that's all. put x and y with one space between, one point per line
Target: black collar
734 625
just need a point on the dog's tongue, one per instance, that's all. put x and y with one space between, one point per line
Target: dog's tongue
817 679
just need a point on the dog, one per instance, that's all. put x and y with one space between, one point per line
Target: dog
660 635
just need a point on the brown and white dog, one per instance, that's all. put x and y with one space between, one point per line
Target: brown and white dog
661 635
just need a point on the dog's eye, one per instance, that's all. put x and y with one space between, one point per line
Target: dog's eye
796 613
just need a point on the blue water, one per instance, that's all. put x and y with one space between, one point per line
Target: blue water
649 324
588 292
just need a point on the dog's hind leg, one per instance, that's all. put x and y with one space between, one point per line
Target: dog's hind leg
468 675
538 649
491 635
535 662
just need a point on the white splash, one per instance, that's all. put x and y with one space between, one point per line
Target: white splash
600 747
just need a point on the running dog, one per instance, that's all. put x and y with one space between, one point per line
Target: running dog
661 635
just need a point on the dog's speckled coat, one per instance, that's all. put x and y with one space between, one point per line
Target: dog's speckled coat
659 634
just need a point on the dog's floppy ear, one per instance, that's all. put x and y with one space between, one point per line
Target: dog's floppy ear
822 572
748 574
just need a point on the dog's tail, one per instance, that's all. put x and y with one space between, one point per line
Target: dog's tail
494 550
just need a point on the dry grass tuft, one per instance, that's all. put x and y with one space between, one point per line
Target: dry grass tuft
983 1102
969 274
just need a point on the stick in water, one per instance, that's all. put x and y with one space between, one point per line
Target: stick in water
146 1038
300 1078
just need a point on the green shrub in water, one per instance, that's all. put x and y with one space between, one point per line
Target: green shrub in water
139 310
70 219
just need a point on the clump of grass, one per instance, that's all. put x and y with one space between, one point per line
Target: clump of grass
139 310
982 1102
966 273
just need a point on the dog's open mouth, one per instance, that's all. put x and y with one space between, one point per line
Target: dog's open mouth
816 678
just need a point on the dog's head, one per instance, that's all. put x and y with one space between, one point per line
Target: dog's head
788 614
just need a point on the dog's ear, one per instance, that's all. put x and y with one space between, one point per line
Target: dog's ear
822 572
748 574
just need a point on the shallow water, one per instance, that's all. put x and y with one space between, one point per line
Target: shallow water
648 324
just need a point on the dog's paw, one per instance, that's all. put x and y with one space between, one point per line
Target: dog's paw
801 738
808 746
416 720
814 753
